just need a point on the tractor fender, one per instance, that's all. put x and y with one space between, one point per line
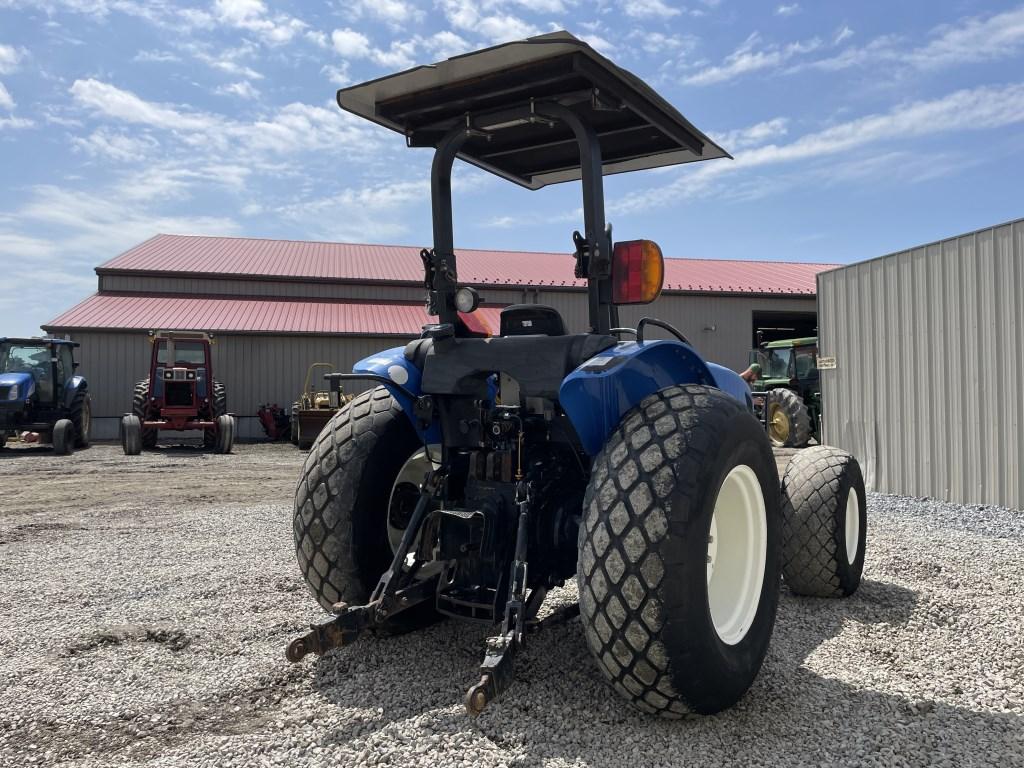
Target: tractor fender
72 387
393 365
602 390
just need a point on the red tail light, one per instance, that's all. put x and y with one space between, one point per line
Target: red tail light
638 271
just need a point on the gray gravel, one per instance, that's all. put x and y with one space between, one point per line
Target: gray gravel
148 629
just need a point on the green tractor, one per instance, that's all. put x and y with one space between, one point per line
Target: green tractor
787 393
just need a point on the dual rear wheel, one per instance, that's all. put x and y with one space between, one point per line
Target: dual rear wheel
685 536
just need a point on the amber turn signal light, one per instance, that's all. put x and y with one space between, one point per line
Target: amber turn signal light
638 271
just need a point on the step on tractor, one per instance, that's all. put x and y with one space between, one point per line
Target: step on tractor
482 472
41 393
787 393
315 407
179 394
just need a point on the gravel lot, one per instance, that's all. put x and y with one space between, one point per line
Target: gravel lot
145 604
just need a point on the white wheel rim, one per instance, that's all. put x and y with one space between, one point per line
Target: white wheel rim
736 554
412 473
852 526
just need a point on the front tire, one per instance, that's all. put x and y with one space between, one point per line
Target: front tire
824 528
63 437
131 435
223 436
677 623
342 502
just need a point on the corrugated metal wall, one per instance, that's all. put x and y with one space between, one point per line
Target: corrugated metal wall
259 369
929 348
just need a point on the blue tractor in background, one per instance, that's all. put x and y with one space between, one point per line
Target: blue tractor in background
485 470
41 393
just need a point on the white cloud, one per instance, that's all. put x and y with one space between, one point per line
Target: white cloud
445 44
10 58
6 101
292 128
753 135
126 106
159 57
982 108
15 123
649 9
477 18
253 16
116 146
971 40
338 75
751 56
401 54
243 89
788 10
396 13
350 44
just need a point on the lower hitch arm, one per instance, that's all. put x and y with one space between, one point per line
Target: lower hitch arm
496 669
387 598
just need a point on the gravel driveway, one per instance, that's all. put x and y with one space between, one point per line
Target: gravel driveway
145 604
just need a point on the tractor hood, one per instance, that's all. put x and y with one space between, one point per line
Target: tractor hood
23 381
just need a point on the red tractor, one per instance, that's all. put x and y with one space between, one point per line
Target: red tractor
180 394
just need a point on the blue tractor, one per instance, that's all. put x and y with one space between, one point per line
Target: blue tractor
41 393
485 470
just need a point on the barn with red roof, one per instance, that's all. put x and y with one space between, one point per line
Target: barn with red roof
276 306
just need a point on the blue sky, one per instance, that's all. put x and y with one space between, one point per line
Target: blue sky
858 128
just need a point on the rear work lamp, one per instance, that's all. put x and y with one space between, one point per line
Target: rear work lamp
638 271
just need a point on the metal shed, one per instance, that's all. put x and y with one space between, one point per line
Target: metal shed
276 306
929 362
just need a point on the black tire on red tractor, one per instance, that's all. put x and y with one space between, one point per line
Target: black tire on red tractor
293 423
131 435
824 528
342 503
218 407
63 437
140 406
678 566
81 417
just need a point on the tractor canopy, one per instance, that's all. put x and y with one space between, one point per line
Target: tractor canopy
493 92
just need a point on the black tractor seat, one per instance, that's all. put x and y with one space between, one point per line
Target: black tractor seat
539 363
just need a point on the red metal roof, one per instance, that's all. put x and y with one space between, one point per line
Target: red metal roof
251 257
251 315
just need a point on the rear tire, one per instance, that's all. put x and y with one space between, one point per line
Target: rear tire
824 523
218 407
678 566
342 503
140 406
789 421
131 435
81 417
63 437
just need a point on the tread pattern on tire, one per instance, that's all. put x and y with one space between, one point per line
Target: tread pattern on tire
625 521
219 403
810 545
799 417
77 406
333 470
140 398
